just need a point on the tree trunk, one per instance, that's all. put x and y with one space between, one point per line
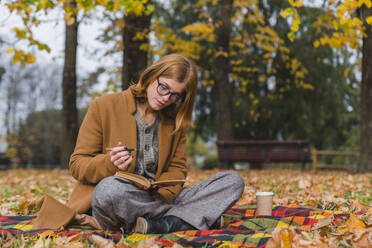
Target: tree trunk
221 69
69 111
365 163
134 57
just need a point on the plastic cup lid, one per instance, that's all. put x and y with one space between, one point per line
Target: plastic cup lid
264 193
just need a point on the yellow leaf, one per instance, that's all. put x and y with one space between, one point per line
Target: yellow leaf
287 12
37 189
369 20
298 4
335 24
341 229
75 238
286 238
316 43
20 33
346 72
354 222
24 207
366 2
70 21
291 36
30 58
262 78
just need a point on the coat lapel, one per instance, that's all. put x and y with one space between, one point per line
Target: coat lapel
166 128
129 135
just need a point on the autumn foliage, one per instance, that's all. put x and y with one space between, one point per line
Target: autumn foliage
335 190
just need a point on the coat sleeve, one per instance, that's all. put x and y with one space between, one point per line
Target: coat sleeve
176 169
87 163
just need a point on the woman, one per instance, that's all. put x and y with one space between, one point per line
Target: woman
152 117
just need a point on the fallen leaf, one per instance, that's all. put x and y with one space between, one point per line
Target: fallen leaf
369 217
356 204
306 236
122 244
23 207
175 245
101 242
363 239
43 242
75 238
304 184
354 222
323 222
286 238
148 243
281 237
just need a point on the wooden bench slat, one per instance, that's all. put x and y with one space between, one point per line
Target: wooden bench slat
261 151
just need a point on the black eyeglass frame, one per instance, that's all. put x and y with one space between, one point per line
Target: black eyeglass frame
176 96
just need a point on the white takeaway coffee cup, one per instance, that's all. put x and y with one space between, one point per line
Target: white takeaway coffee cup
264 203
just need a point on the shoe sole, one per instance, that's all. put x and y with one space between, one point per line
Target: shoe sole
141 225
221 224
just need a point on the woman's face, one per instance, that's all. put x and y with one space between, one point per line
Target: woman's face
163 92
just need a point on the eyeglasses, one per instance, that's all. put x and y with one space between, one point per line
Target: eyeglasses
163 90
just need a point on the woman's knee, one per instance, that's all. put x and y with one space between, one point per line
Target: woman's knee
234 180
108 191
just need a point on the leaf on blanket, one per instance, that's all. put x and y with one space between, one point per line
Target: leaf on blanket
175 245
354 223
281 237
123 244
101 242
323 222
43 242
75 238
149 243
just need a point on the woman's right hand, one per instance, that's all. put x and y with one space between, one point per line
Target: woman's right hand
120 157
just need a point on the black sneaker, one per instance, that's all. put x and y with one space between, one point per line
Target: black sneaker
218 224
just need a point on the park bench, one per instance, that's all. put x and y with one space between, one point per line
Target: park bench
259 152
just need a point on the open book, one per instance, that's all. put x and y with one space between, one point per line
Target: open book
143 182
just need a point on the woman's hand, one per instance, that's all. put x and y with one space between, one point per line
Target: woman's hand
120 158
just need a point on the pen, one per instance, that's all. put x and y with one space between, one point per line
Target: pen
125 149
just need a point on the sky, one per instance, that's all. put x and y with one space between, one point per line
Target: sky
51 32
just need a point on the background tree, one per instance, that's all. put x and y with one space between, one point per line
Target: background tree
136 43
28 11
349 29
251 52
366 92
221 68
69 109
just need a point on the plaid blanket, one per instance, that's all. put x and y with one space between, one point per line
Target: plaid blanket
242 228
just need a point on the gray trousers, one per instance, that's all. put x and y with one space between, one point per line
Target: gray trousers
116 202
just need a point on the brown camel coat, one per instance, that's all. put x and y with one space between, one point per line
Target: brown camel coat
109 120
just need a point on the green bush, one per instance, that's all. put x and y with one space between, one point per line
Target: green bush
210 162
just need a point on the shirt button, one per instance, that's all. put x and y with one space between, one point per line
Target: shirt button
147 130
147 147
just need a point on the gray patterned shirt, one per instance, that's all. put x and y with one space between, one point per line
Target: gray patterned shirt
147 147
